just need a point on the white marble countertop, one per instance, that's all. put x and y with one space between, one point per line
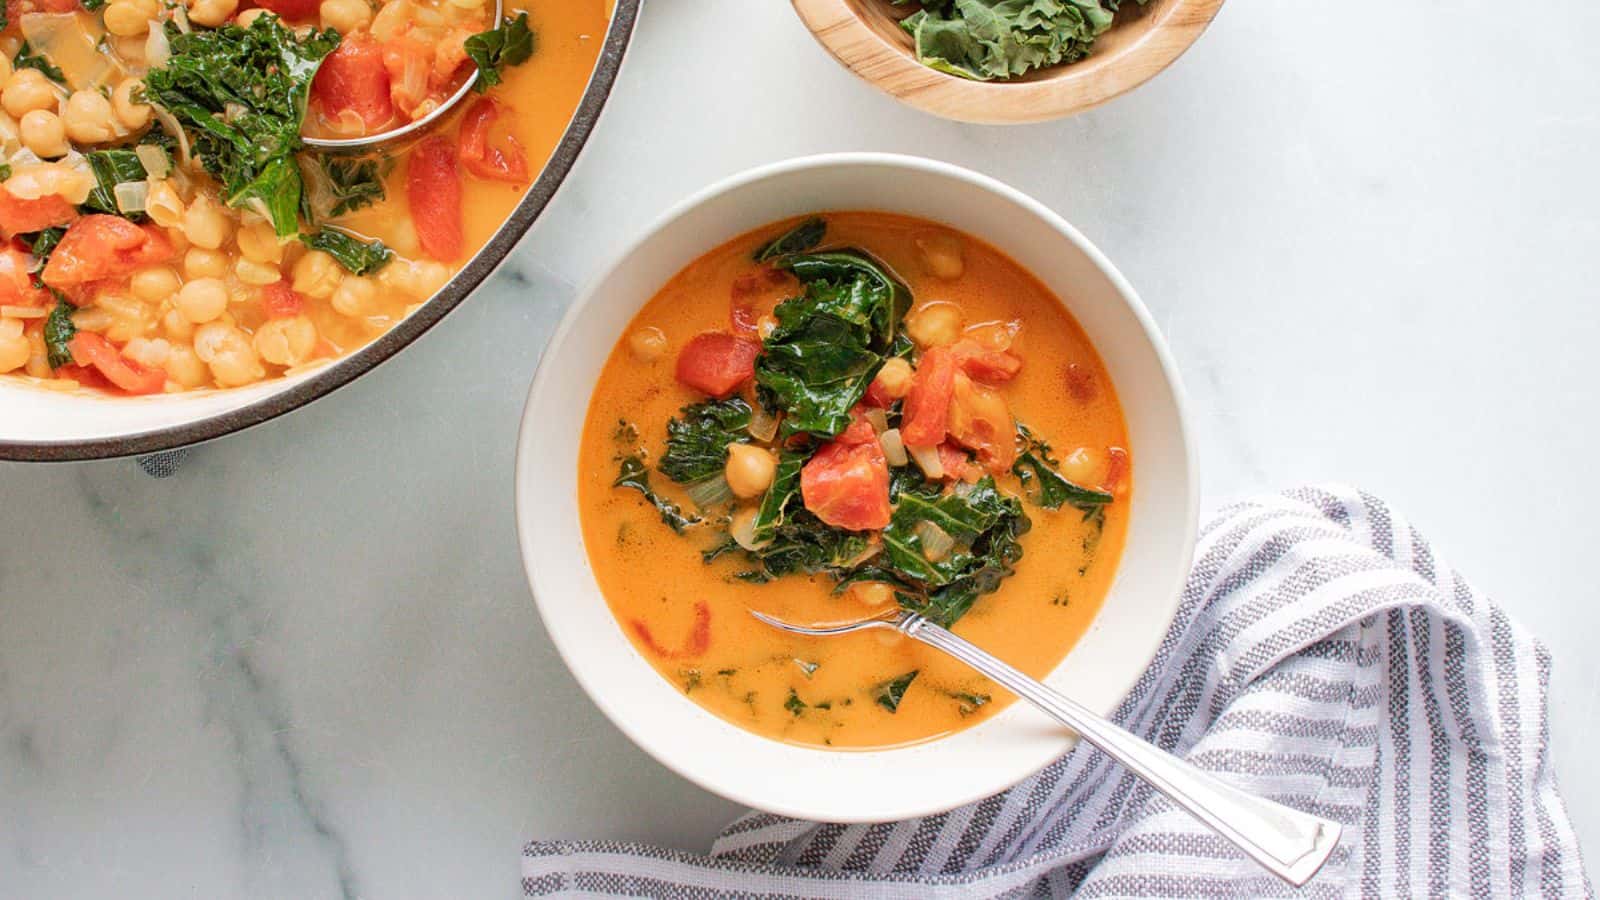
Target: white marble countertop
308 665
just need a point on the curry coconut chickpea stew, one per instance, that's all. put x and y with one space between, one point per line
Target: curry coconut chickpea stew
165 227
828 416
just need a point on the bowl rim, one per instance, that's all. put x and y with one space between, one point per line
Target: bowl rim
864 51
569 649
479 267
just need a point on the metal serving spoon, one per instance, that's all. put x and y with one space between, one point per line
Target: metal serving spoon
1293 845
369 141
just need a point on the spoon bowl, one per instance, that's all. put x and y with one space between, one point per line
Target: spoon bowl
372 141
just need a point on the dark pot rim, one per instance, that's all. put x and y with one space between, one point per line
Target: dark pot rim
364 360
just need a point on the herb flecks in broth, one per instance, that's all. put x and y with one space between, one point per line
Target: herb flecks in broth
846 421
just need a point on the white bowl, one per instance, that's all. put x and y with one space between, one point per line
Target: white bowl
876 785
44 425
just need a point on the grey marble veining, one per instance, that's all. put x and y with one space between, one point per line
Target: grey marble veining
307 665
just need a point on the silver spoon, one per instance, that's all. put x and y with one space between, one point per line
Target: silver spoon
1291 844
368 141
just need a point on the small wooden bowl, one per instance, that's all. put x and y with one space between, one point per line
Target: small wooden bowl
866 37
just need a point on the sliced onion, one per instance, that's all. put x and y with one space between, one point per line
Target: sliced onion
879 420
710 492
169 124
894 449
180 18
936 542
927 459
743 530
763 425
131 195
154 159
157 49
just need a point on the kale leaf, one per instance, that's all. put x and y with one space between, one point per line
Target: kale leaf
697 441
773 512
111 168
42 243
1036 469
988 39
799 239
27 59
805 545
633 474
508 45
986 525
241 93
358 256
889 693
830 341
58 332
350 183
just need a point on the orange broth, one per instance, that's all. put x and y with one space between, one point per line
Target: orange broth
748 672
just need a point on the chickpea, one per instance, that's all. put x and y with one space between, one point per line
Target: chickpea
356 296
14 346
935 324
248 17
941 255
259 243
127 106
44 133
202 299
894 378
153 284
345 16
185 367
648 344
149 352
5 68
871 593
212 13
129 317
25 91
749 469
419 279
227 350
287 341
200 262
205 224
126 18
1081 466
317 274
176 327
256 273
88 118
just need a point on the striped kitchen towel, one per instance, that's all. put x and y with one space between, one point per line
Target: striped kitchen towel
1322 656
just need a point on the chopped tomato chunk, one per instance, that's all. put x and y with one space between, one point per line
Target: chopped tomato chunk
955 462
280 301
353 79
988 366
1080 383
877 396
860 430
847 485
433 191
100 246
90 349
699 635
16 279
981 421
19 216
927 409
291 9
484 157
1116 471
716 363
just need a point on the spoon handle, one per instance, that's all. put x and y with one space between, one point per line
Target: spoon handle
1290 843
